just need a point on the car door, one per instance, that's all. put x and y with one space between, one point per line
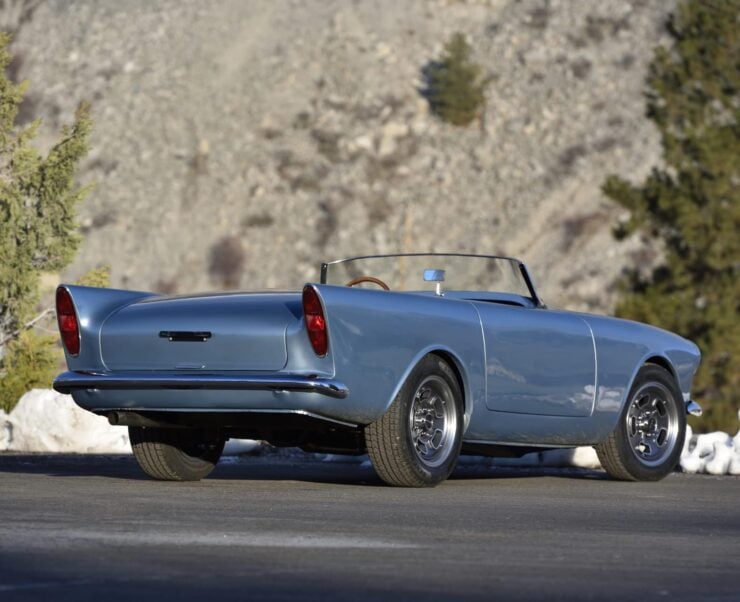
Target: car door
538 361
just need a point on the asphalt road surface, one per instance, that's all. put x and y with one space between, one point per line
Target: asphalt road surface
275 528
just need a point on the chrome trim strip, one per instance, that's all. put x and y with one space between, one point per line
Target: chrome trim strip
101 411
70 381
521 444
328 263
693 408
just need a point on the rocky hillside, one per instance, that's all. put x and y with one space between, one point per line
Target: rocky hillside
238 143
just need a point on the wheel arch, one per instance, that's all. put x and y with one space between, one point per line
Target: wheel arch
667 365
458 368
454 363
663 362
650 359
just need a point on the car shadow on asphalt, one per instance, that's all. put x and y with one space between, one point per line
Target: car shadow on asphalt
308 468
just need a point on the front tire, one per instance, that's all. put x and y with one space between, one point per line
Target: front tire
647 442
417 442
175 454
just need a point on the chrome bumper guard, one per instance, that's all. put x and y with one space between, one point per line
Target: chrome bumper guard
71 381
693 408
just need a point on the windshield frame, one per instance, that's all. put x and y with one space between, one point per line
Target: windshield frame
522 267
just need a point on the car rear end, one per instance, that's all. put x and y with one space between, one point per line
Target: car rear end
136 353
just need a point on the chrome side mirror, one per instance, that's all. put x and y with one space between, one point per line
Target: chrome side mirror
437 276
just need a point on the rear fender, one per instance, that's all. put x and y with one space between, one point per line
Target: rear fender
93 306
451 358
377 338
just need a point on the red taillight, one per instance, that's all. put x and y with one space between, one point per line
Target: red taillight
67 320
315 321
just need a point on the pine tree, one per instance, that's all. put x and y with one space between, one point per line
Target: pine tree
454 84
692 204
38 195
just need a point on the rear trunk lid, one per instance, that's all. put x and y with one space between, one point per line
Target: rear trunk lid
241 331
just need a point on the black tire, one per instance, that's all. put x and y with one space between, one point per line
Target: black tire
175 454
646 444
416 443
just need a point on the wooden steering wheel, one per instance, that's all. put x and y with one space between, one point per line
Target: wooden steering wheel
372 279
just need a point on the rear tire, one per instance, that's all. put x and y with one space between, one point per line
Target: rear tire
647 441
175 454
417 442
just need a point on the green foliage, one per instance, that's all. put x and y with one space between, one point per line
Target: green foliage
455 85
693 205
99 277
31 361
38 196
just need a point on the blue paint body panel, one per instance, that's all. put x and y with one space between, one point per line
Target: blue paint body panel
538 361
243 335
530 375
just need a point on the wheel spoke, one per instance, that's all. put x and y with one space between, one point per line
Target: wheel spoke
661 437
436 440
422 447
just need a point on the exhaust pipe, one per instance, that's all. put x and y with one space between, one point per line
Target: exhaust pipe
117 418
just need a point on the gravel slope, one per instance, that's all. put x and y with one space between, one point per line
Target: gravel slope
238 143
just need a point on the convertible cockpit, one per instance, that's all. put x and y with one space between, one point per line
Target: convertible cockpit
502 279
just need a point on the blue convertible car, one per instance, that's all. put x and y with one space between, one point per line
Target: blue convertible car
413 359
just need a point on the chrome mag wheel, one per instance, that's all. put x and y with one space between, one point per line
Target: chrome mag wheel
652 424
646 442
417 441
433 421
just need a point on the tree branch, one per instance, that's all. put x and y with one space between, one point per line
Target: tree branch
27 325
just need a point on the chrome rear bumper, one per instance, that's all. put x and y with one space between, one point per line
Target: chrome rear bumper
71 381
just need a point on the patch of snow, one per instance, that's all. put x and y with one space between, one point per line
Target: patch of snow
734 468
6 431
579 457
47 421
712 453
585 457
